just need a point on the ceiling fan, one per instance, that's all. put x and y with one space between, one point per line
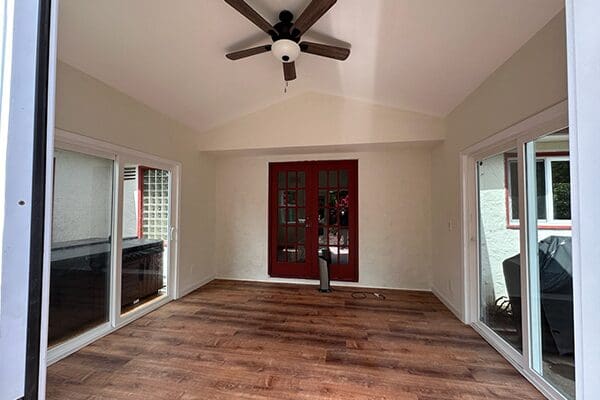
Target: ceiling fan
287 34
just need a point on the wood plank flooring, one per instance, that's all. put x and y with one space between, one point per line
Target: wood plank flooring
241 340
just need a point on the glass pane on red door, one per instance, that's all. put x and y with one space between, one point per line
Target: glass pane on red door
291 216
313 208
334 212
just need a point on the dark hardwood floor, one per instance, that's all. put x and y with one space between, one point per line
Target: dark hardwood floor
239 340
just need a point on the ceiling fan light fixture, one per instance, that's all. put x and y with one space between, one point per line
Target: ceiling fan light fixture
287 35
285 50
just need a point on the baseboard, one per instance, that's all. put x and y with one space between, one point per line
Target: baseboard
189 289
437 293
357 285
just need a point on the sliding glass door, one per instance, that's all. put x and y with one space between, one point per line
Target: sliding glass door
81 244
113 239
499 247
523 254
550 261
146 223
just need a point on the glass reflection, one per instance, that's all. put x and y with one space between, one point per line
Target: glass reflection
551 268
499 248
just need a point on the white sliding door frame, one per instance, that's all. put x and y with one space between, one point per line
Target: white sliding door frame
20 58
548 121
583 63
173 169
121 155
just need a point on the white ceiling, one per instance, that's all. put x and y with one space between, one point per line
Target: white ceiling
419 55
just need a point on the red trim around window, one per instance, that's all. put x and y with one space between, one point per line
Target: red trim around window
507 157
140 196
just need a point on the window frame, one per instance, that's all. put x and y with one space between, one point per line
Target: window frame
550 223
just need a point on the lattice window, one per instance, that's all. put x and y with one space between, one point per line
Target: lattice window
155 221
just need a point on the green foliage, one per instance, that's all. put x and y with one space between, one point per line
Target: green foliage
562 200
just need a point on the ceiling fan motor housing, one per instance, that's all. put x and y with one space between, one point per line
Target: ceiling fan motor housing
286 35
285 50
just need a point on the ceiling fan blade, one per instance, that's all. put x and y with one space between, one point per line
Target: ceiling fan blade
243 8
236 55
315 10
324 50
289 71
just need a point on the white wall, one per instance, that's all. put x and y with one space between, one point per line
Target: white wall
82 206
533 79
394 215
87 106
315 119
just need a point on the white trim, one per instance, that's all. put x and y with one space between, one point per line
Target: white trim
17 133
549 120
52 59
142 310
447 303
524 251
530 287
550 221
189 289
506 350
583 61
62 350
121 155
64 136
311 282
84 149
175 244
468 238
116 244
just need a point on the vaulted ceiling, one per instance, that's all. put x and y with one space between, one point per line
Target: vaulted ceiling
418 55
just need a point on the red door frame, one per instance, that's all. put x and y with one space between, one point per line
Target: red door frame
309 269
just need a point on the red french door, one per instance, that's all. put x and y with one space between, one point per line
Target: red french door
313 206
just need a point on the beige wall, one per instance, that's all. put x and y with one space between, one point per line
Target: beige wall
533 79
86 106
394 215
315 119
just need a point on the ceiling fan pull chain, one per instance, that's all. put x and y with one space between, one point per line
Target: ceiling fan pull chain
285 88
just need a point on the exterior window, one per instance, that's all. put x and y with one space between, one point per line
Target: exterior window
155 195
553 188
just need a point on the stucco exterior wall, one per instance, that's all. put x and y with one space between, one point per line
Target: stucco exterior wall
82 197
497 241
